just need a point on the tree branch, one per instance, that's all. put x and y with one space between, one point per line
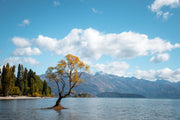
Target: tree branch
63 86
57 83
80 74
66 95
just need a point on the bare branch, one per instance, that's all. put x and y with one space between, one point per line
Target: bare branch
57 83
68 94
80 74
63 86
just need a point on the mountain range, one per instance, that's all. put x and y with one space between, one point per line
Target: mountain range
101 82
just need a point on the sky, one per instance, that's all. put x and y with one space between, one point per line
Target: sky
130 38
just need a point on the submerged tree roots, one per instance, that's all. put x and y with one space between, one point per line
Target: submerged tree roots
59 107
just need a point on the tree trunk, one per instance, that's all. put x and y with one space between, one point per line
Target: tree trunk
58 106
58 102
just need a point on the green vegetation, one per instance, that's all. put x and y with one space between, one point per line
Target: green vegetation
26 83
83 95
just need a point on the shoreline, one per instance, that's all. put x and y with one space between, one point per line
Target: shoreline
20 98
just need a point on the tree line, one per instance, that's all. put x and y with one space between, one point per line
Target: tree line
26 82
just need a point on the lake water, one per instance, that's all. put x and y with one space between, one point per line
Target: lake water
92 109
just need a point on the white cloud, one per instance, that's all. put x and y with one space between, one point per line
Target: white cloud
177 45
148 75
20 60
20 42
160 58
31 61
56 3
96 11
157 6
163 74
92 44
25 22
166 15
115 68
28 51
47 43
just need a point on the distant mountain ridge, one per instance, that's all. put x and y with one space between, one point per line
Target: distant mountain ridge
98 83
119 95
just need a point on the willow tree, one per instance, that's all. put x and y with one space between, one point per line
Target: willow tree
66 75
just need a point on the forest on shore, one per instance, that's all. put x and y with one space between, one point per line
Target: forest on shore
25 83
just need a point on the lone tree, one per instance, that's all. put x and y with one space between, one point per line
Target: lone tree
66 75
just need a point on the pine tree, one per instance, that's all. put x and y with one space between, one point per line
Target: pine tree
25 80
39 85
26 83
12 79
5 81
13 74
32 86
30 75
30 79
49 90
45 88
19 80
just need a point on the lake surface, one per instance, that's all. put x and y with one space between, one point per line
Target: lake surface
92 109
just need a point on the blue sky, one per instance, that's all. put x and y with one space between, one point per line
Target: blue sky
122 37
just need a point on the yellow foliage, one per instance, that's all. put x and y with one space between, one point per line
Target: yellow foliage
50 68
88 69
36 94
15 91
62 64
72 67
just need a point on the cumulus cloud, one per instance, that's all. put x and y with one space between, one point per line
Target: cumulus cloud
56 3
25 22
160 58
157 6
163 74
166 15
96 11
115 68
20 42
47 43
31 61
92 44
20 60
148 75
24 48
28 51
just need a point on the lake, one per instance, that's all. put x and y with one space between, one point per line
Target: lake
92 109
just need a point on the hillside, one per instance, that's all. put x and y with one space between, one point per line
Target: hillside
98 83
119 95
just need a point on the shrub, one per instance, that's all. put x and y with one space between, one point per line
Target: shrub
15 91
